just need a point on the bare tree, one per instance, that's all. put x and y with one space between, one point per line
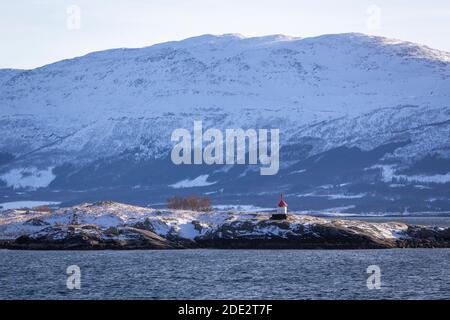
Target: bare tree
194 203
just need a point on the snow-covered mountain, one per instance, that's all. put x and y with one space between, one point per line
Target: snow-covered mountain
364 122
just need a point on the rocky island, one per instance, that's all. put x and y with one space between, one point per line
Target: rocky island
111 225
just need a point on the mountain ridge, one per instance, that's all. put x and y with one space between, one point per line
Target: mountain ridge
281 37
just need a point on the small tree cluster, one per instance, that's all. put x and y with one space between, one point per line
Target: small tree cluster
194 203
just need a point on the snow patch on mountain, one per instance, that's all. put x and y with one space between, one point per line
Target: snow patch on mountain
200 181
388 173
28 178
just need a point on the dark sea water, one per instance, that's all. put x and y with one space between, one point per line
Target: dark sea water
226 274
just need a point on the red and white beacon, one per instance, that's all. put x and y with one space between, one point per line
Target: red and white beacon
282 210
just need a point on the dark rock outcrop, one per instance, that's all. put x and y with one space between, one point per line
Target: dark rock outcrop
90 237
425 237
232 236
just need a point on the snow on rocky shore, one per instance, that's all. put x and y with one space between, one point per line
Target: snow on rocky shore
110 225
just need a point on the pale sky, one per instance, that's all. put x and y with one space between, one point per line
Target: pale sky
37 32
